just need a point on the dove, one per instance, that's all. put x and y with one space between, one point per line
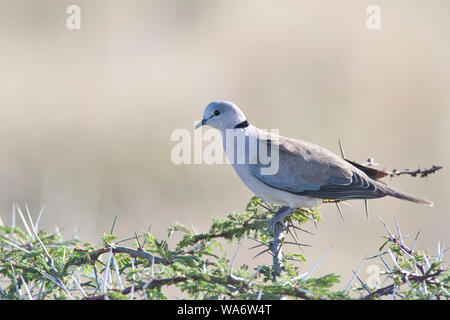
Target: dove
306 173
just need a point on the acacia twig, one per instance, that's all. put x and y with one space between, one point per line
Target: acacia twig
422 173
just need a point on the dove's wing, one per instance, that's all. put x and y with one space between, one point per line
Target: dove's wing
310 170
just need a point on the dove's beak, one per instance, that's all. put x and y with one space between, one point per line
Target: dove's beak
201 123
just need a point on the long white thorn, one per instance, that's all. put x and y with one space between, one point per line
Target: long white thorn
398 231
234 257
304 277
13 216
108 264
36 224
347 288
24 222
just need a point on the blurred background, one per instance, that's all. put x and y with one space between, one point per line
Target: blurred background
87 115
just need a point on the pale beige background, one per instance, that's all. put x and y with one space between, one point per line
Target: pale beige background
86 116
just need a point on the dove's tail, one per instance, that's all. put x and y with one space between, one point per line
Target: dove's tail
403 195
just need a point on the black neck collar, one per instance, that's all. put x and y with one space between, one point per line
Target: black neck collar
243 124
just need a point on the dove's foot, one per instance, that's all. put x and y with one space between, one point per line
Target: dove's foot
278 219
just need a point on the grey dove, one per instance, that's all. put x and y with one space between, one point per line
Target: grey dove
307 173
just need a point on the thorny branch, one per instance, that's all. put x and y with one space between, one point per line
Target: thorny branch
277 249
404 275
419 172
135 253
369 164
37 265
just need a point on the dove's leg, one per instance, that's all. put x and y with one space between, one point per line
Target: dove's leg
278 218
283 212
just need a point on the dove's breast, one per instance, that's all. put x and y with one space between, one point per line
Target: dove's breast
259 188
270 194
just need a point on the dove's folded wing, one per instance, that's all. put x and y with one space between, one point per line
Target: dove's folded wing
308 169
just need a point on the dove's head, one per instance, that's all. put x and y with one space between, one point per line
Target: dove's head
223 115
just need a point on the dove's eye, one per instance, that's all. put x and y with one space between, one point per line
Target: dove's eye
216 113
